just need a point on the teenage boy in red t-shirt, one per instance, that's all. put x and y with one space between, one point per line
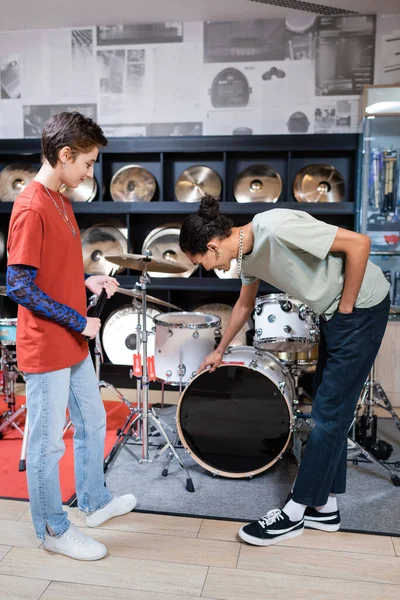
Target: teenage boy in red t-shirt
45 276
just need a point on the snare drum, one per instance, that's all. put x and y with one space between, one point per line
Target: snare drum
284 324
8 331
236 422
183 340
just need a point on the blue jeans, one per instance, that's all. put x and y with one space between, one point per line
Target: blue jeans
48 396
348 347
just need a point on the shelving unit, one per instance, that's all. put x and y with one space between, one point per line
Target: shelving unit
166 158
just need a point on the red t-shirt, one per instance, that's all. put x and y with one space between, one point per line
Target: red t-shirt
39 237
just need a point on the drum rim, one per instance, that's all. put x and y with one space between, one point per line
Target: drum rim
213 320
275 298
288 340
208 467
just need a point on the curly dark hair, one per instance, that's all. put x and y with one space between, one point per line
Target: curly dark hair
208 223
71 129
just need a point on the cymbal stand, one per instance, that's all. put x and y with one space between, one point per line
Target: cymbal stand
374 395
10 375
146 415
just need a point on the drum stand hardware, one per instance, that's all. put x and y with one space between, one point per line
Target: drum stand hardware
369 446
143 414
10 375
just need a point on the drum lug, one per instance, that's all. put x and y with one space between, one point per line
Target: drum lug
253 364
281 386
286 306
195 334
168 374
271 318
287 329
258 332
170 333
258 309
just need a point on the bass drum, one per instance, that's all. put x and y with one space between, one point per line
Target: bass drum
119 336
236 422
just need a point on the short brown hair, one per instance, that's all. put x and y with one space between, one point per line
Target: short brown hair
71 129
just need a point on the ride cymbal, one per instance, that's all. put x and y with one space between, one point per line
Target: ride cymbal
97 241
132 183
85 192
150 299
163 242
138 262
196 181
14 179
318 183
258 183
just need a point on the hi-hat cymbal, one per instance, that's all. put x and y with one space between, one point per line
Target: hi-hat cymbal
14 179
318 183
196 181
163 242
132 183
150 299
138 262
97 241
85 192
258 183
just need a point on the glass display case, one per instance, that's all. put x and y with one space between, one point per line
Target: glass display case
379 181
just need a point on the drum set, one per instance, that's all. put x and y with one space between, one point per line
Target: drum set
237 421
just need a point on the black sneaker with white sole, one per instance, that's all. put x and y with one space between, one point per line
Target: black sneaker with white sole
274 527
313 519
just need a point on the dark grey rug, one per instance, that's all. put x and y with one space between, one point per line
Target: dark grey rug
370 505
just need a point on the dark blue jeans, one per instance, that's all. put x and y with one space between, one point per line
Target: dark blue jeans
348 347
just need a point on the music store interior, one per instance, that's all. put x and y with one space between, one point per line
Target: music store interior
262 105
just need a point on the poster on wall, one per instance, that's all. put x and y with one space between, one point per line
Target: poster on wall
345 55
125 85
300 36
10 77
150 33
336 115
35 116
244 41
387 56
152 129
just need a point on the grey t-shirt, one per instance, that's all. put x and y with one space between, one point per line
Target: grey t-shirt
291 252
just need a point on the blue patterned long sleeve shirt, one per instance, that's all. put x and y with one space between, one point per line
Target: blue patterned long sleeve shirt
21 288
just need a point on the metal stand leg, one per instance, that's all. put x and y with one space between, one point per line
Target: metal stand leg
356 449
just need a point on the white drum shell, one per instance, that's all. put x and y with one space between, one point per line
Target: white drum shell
271 321
186 336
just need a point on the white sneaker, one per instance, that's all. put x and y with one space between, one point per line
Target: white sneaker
120 505
75 544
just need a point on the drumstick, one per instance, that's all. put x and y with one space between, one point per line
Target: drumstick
100 303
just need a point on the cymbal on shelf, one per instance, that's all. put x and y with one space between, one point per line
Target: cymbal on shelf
85 192
163 242
319 183
196 181
138 262
97 241
258 183
14 179
132 183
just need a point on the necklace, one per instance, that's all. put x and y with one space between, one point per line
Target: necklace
62 212
240 253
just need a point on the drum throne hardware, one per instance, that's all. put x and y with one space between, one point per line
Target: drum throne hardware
143 414
363 437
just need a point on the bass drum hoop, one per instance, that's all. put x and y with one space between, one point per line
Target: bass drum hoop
205 465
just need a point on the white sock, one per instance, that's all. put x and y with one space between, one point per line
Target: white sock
330 506
294 511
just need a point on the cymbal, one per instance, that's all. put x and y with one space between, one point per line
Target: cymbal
132 183
3 290
138 262
85 192
258 183
14 179
150 299
318 183
97 241
163 242
196 181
